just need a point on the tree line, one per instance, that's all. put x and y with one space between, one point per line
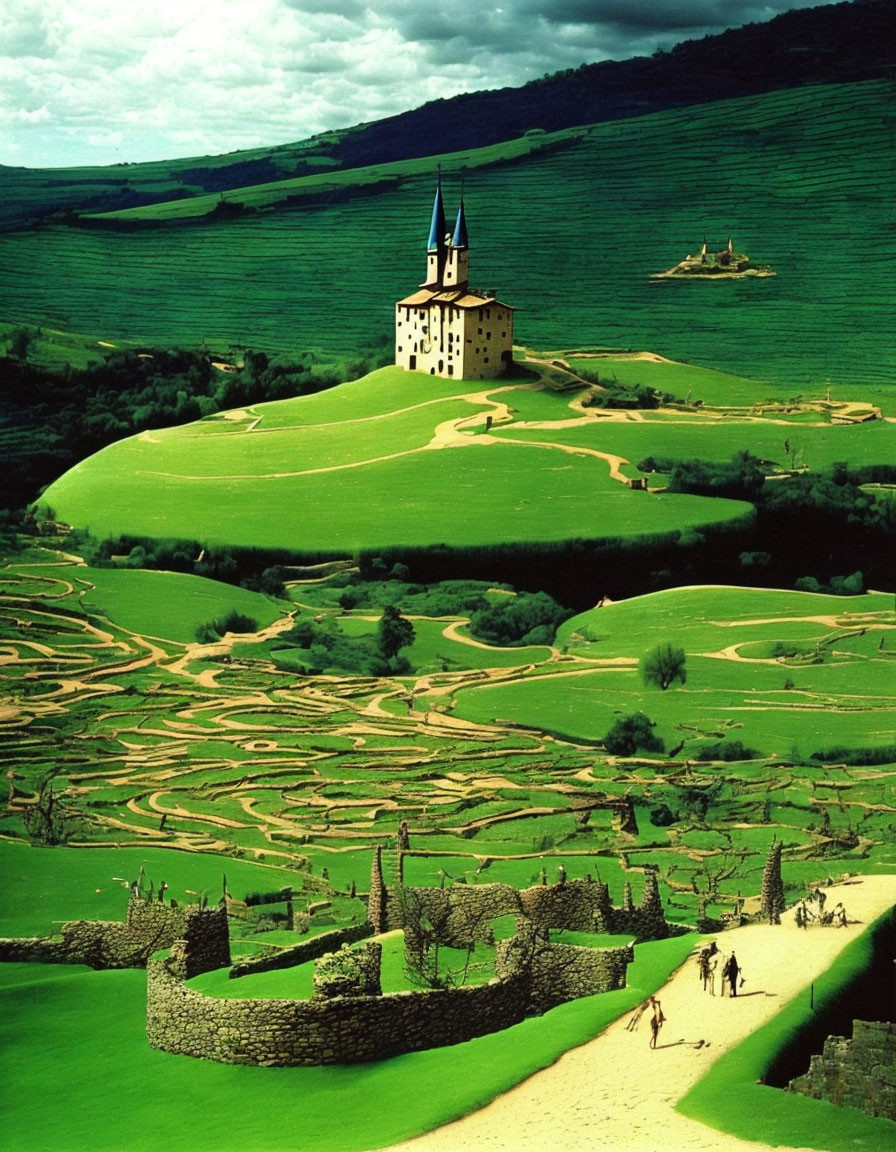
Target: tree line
52 418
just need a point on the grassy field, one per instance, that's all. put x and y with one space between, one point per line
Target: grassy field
773 704
320 474
378 1104
163 605
198 769
571 237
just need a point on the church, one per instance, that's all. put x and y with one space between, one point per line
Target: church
447 328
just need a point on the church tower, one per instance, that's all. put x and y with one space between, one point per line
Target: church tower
447 328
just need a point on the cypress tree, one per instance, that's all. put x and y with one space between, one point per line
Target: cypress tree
771 895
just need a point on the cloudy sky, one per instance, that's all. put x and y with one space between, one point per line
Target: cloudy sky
103 81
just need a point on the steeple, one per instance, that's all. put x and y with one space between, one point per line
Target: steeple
460 238
438 236
457 265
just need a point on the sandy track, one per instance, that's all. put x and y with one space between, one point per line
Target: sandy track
615 1094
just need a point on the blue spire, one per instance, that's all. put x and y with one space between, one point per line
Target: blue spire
461 239
437 228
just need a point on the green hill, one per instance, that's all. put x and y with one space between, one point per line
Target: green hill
390 460
570 232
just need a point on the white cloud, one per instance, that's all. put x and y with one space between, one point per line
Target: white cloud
100 81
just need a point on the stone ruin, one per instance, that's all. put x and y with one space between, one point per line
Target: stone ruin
349 1019
860 1072
199 934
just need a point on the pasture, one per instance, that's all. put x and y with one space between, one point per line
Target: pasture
570 235
318 474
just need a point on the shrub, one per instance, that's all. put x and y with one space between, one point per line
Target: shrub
631 733
727 750
885 754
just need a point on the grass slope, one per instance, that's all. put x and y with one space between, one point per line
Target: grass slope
107 1083
775 705
166 605
571 235
313 474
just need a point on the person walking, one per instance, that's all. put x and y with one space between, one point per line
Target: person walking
730 972
656 1021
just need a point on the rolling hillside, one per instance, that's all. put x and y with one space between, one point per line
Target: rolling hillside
570 232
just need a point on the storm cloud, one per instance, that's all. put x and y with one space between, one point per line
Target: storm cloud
100 82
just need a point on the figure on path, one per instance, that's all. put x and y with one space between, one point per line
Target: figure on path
707 961
730 972
656 1021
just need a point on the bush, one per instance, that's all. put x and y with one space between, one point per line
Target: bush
631 733
839 754
528 618
727 750
233 622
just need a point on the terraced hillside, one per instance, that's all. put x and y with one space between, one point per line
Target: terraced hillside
571 229
494 756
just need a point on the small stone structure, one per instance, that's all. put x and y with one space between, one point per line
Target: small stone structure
349 1021
149 926
860 1072
557 973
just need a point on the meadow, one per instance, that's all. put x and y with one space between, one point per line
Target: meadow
318 474
212 767
613 205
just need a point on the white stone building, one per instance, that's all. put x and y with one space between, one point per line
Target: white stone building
448 328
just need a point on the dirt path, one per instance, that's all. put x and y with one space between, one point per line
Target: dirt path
615 1094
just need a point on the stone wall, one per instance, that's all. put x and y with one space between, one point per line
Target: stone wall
204 943
149 926
34 950
860 1072
576 905
343 1030
301 953
558 973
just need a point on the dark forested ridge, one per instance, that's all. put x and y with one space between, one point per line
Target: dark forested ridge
832 44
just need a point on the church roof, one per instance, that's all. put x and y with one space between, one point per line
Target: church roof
459 298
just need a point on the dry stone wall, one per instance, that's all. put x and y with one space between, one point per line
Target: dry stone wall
148 927
343 1030
860 1072
576 905
557 973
